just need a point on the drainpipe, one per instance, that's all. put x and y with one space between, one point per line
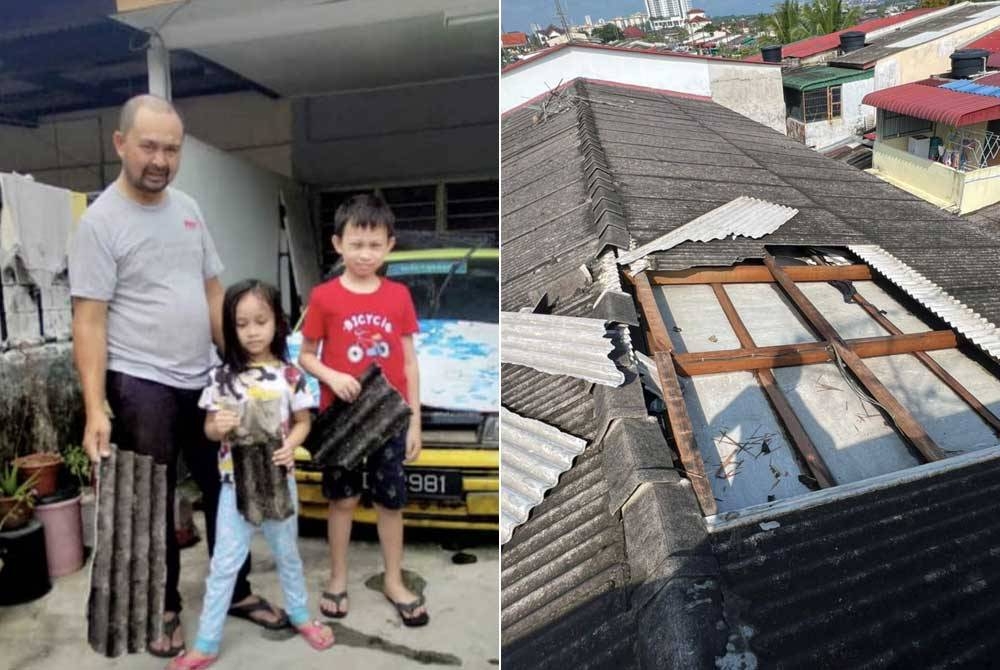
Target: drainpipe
158 65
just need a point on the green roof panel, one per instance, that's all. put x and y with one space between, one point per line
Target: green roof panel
822 76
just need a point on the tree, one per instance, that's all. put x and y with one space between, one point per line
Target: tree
827 16
709 28
609 32
786 22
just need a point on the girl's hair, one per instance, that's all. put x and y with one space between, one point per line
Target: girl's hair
234 357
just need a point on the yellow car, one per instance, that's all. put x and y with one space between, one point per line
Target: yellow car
455 481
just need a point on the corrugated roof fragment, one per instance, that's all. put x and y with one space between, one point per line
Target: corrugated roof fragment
534 455
560 345
981 332
744 216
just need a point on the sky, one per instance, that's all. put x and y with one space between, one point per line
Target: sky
520 14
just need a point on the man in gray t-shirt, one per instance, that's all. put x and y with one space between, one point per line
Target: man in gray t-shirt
147 305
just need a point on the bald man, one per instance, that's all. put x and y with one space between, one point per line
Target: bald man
147 305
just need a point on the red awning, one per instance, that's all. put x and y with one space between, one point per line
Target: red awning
936 104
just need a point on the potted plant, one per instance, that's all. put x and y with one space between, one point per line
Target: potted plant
80 469
16 499
43 468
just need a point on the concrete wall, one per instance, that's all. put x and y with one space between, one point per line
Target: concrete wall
41 408
933 182
754 92
69 150
980 189
933 57
533 78
751 89
432 131
854 118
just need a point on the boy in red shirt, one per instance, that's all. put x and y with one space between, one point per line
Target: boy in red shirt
361 318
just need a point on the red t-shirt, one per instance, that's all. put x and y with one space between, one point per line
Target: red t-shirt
358 329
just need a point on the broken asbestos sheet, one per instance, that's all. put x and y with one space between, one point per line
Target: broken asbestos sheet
129 573
560 345
347 432
744 216
261 486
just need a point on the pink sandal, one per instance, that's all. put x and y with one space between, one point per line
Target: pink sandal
313 632
184 662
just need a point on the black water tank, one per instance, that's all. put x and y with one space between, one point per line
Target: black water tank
967 62
852 40
771 54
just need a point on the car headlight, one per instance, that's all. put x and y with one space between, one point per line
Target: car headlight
491 428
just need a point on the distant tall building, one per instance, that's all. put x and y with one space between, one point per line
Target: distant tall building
667 12
587 20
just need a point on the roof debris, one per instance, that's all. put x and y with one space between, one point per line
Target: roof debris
534 455
742 217
560 345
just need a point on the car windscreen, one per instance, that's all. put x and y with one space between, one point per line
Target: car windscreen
451 289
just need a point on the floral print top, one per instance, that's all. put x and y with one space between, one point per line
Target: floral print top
264 381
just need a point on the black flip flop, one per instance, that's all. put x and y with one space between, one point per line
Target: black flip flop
246 611
337 599
169 628
405 609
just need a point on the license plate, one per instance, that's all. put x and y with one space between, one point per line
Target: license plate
433 484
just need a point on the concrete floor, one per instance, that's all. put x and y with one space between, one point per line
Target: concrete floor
463 601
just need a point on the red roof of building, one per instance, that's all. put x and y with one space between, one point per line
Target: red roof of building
696 11
632 32
989 80
514 40
817 45
936 104
990 42
699 19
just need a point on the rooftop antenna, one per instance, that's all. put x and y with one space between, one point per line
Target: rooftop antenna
562 17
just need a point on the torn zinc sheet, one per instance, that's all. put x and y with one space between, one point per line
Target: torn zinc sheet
560 345
533 457
744 216
956 314
347 432
35 223
128 576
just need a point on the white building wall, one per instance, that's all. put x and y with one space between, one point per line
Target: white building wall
533 78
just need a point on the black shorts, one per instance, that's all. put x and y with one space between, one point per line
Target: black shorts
384 471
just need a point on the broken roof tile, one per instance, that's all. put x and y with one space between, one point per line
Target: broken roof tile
744 216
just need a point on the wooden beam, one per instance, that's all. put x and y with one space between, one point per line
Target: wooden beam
651 314
905 422
984 413
683 434
793 428
755 274
808 353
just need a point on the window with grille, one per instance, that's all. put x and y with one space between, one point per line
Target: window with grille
822 104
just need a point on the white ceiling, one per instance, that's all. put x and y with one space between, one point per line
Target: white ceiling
307 47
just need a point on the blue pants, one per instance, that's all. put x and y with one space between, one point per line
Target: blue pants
232 545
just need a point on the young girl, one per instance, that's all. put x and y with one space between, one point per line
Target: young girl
256 367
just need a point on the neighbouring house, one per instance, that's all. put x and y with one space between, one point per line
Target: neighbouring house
515 41
800 468
633 33
817 50
752 89
940 140
922 48
862 62
824 104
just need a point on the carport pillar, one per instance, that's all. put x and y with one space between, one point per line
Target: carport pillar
158 65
